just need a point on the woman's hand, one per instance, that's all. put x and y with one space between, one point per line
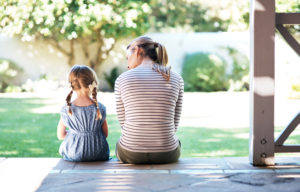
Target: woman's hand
61 130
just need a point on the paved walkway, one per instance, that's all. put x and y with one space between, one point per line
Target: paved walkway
191 174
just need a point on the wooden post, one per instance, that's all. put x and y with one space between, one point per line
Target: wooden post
262 37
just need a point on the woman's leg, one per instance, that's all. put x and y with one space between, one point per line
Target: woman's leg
130 157
165 157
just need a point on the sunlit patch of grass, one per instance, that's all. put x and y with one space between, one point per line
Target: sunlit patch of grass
242 135
8 153
216 153
2 110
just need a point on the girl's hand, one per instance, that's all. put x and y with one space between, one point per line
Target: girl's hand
105 128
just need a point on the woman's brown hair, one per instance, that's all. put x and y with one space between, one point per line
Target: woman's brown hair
156 52
83 76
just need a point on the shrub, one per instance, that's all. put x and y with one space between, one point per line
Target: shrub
112 77
210 72
204 72
239 76
13 89
8 71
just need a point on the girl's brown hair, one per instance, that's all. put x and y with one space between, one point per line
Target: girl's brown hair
156 52
83 76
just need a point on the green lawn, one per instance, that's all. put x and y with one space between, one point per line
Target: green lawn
24 133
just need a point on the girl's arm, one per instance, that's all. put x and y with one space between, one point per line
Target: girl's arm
105 128
61 130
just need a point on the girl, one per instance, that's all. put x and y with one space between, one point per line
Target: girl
85 117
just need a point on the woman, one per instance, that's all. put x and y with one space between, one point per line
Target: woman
149 101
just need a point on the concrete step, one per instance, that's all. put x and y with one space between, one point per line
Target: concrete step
211 174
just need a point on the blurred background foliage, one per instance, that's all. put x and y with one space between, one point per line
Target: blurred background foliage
209 72
291 6
79 22
111 77
204 72
8 71
85 22
66 23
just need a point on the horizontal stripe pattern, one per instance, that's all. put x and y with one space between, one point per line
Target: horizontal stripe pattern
148 109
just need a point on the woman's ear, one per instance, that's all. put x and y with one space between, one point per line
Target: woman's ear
140 52
137 51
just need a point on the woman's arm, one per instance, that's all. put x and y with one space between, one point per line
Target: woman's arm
119 104
105 128
61 130
178 107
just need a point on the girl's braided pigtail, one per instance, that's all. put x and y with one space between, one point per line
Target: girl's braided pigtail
94 94
68 99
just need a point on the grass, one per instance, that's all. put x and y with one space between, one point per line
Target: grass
25 133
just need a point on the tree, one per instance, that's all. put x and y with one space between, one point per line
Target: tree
199 15
80 22
182 15
209 16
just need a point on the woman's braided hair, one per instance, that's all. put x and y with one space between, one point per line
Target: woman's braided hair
83 76
156 52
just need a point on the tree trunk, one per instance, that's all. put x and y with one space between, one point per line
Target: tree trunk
92 62
99 51
85 49
99 59
71 57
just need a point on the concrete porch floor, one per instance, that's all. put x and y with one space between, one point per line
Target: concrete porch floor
189 174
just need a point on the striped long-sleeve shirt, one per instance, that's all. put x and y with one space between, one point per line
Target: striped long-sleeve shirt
148 109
